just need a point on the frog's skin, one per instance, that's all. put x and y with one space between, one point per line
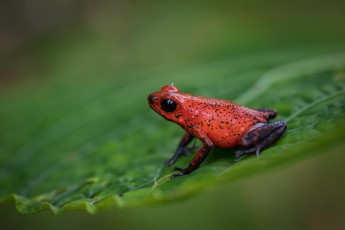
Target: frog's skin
216 123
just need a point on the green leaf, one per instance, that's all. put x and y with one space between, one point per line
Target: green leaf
96 144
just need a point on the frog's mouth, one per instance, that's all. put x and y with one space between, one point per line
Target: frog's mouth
152 99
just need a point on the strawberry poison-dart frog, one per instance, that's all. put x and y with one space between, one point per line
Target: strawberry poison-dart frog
216 123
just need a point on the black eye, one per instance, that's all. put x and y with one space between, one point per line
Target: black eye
168 105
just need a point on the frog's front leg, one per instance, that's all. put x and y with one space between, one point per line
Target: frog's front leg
261 136
198 158
181 149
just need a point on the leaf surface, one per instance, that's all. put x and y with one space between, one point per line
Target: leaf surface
96 145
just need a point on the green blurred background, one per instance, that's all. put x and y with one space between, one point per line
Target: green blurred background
46 44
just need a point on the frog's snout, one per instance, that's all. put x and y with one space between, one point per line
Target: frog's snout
152 99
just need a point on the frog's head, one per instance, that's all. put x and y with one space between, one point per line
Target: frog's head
167 102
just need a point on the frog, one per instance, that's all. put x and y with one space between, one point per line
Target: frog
217 123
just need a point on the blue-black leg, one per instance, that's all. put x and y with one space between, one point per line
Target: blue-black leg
181 149
261 137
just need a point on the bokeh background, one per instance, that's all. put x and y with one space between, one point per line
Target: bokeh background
44 44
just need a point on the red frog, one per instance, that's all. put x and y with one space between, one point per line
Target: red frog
216 123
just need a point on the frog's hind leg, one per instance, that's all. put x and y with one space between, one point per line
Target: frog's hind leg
272 113
261 137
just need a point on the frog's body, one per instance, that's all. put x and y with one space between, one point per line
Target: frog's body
223 122
217 123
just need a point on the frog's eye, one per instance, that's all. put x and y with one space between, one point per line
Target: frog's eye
168 105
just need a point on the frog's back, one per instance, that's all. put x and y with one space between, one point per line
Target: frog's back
224 110
225 122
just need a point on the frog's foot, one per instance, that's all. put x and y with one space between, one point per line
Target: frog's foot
181 149
261 137
198 158
182 172
242 152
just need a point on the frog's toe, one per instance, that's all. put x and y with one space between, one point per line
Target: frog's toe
239 153
177 169
242 152
182 172
176 175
